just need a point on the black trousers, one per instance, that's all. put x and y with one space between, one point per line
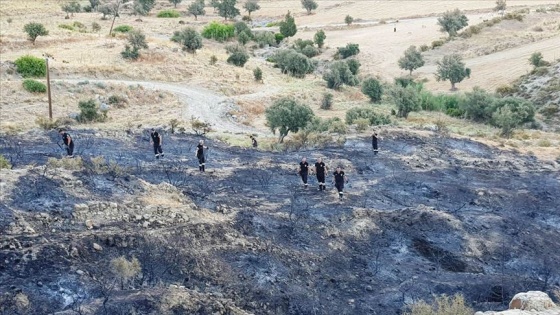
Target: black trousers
201 159
339 186
70 148
321 178
157 149
303 177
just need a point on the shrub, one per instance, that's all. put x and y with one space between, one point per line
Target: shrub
348 51
327 101
319 38
123 28
348 20
46 123
95 27
251 6
71 8
353 65
279 37
506 90
241 27
514 16
443 305
35 30
238 55
218 31
168 14
29 66
406 99
137 41
373 89
213 60
338 126
34 86
339 74
288 27
520 110
89 112
437 43
243 38
124 269
258 74
264 39
293 63
200 127
368 113
287 115
117 101
361 124
470 31
66 27
477 105
4 163
310 51
404 81
537 60
189 39
424 48
74 164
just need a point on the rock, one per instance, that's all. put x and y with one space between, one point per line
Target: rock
89 224
146 224
532 300
97 247
80 272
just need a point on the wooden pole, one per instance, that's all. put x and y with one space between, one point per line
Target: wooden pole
49 89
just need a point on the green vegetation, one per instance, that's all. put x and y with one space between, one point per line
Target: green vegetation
366 113
373 89
89 112
309 5
500 6
218 31
353 65
338 75
71 8
175 2
35 30
348 51
287 115
327 101
258 74
319 38
443 305
293 63
264 39
143 7
251 6
537 60
95 27
30 66
411 60
452 68
189 39
123 28
288 27
306 47
66 27
238 55
196 9
34 86
407 99
168 14
136 41
453 21
348 20
279 38
4 163
227 9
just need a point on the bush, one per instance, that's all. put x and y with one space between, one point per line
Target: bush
327 101
66 27
310 51
29 66
35 30
123 28
137 40
368 113
353 65
406 99
74 164
437 43
506 90
348 51
477 105
264 39
511 112
89 112
4 163
279 38
168 14
443 305
117 101
189 39
319 38
514 16
213 60
243 38
361 124
339 74
424 48
258 74
348 20
537 60
218 31
288 27
242 27
95 27
34 86
238 55
404 81
293 63
373 89
200 127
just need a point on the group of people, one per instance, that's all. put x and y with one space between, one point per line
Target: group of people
319 168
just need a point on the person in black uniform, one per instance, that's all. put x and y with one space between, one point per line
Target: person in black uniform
374 143
157 141
339 180
68 142
320 170
254 142
200 155
304 171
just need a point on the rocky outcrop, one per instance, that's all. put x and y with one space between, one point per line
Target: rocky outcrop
529 303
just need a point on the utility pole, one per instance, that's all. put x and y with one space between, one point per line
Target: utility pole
49 89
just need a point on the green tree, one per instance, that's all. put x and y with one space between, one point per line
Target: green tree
243 38
189 38
175 2
452 21
251 6
319 38
452 68
477 104
71 8
227 9
258 74
500 6
511 112
288 27
348 20
238 55
287 115
35 30
406 99
196 8
136 41
94 4
348 51
293 63
143 7
338 75
353 65
411 60
373 89
309 5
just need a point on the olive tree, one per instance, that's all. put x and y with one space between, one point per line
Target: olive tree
251 6
338 75
227 9
197 8
406 99
452 21
452 68
287 115
411 60
189 38
373 89
309 5
175 2
319 38
35 30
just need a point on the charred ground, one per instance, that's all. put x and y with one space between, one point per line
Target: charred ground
429 215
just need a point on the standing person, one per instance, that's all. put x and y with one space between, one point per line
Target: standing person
200 155
254 142
68 142
339 180
374 143
320 170
157 141
304 171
